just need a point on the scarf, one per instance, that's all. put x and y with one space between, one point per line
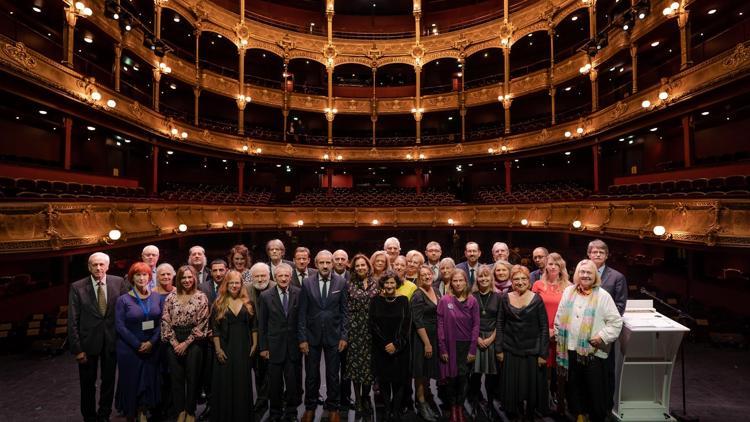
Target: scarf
584 350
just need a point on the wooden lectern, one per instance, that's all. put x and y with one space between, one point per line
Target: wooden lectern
648 345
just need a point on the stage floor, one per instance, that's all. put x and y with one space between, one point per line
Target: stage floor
46 389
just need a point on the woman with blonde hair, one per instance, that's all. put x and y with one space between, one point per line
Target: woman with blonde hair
521 347
232 324
488 298
380 264
501 275
458 330
586 324
549 287
424 341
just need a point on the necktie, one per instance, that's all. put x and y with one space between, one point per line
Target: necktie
101 298
471 276
324 293
285 302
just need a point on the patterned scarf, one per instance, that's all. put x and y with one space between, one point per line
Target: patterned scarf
583 348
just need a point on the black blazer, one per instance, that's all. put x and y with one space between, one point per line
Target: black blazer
207 287
322 322
88 330
277 331
615 284
296 280
464 266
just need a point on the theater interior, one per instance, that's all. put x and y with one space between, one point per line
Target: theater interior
338 124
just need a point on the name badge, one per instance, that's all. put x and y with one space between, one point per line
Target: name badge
147 325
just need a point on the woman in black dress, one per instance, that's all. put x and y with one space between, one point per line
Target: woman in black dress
232 323
390 321
485 292
521 347
425 365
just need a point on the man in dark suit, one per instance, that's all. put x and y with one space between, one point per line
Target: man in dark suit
277 326
275 251
91 334
301 268
432 253
341 264
471 265
341 269
615 284
210 287
322 331
539 255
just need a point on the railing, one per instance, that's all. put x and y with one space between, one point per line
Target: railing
132 91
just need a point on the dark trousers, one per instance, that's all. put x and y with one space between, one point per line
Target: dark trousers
185 373
587 387
283 385
393 395
346 383
457 388
87 377
490 386
610 366
260 367
206 369
312 376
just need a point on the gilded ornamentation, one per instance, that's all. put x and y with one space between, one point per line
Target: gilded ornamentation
136 110
207 136
619 109
19 54
738 56
289 149
374 153
458 148
542 136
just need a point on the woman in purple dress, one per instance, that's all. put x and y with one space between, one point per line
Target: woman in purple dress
138 322
458 330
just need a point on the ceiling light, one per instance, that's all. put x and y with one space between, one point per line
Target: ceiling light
170 152
176 18
705 113
91 128
182 227
574 18
88 38
111 103
278 165
567 152
568 88
653 129
36 9
630 142
655 44
712 11
646 104
659 230
114 234
127 141
42 112
173 86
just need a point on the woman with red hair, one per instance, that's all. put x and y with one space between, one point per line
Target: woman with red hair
138 325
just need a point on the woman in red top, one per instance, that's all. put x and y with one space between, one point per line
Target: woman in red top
550 288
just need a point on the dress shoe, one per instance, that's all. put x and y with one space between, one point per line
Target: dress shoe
205 415
308 416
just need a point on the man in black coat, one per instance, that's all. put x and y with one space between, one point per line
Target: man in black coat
322 331
91 335
301 269
275 250
471 265
278 317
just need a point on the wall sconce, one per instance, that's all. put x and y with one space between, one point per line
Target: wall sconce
585 69
451 222
229 224
300 223
417 112
577 224
524 222
330 113
671 10
182 228
375 222
659 231
111 103
164 69
81 10
242 101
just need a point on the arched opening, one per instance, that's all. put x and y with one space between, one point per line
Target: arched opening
615 79
39 31
352 80
485 121
309 76
136 78
218 112
530 112
571 34
530 54
94 53
263 122
485 67
177 99
306 127
263 68
573 100
441 127
352 130
219 55
441 76
395 129
178 34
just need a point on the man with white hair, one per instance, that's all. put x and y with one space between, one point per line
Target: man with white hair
197 260
260 273
392 248
500 251
91 334
150 255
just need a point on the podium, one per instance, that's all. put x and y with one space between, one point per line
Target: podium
648 345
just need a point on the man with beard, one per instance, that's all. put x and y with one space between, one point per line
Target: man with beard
260 274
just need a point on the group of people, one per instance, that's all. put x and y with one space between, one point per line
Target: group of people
391 323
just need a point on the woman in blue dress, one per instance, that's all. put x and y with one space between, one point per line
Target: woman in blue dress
138 322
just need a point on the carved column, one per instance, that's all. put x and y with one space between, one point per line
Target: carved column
331 112
285 99
594 77
240 177
506 86
686 59
508 165
118 65
551 32
196 104
68 141
688 139
69 36
595 152
506 109
592 19
374 106
552 93
155 93
157 18
462 101
634 64
241 100
154 170
285 118
197 34
418 103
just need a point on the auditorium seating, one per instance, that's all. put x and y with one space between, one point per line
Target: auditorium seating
375 197
22 188
730 186
540 192
214 194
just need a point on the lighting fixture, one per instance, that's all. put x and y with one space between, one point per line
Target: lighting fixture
712 11
114 234
653 129
91 128
96 96
568 134
182 227
184 135
300 223
375 222
111 103
646 104
230 224
663 95
579 130
524 222
659 230
577 224
42 112
450 221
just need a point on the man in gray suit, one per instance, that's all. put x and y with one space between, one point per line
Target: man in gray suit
277 326
615 284
471 265
91 335
322 332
